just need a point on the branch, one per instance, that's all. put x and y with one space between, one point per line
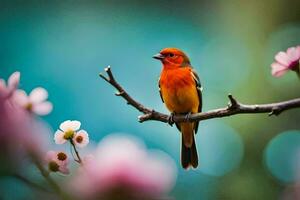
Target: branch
234 107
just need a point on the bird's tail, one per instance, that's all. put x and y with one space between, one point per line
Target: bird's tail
189 157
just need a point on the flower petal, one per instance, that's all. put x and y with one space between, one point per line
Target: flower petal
13 80
70 125
3 90
2 83
278 69
59 137
283 58
84 138
38 95
21 98
293 54
50 156
298 51
64 169
43 108
75 125
65 125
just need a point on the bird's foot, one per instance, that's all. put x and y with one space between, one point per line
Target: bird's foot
171 119
187 116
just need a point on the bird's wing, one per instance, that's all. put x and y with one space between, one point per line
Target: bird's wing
160 91
199 91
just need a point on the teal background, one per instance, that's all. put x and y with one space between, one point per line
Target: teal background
64 45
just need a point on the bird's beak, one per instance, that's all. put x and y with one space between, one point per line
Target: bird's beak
158 56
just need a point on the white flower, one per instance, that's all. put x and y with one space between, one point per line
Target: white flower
68 131
12 84
34 102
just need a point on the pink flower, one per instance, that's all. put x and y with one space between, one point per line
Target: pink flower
34 102
12 85
123 164
68 131
285 61
81 138
20 133
57 162
21 136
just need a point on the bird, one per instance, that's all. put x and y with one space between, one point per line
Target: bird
181 92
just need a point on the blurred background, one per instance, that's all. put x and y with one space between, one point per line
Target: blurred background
64 45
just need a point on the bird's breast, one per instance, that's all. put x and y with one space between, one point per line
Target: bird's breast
179 91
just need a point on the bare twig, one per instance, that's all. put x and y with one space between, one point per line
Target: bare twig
234 107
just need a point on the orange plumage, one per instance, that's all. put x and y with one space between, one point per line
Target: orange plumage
180 90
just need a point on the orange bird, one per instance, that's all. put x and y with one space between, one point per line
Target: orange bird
180 90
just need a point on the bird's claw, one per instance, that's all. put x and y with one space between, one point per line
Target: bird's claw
171 119
187 116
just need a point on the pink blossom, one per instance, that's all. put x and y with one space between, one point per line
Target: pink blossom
123 164
12 85
285 61
57 162
69 131
81 138
20 134
34 102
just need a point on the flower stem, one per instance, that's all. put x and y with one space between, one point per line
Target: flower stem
49 179
79 160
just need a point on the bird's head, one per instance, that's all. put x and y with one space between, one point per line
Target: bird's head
172 58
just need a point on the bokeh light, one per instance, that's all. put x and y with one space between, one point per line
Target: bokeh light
282 156
220 148
225 55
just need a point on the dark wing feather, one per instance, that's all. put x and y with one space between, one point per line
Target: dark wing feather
160 92
199 91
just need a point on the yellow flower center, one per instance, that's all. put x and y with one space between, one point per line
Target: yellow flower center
69 134
29 106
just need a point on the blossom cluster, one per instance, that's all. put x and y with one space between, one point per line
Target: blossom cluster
69 131
119 167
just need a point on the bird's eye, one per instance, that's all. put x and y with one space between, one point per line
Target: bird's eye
171 55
